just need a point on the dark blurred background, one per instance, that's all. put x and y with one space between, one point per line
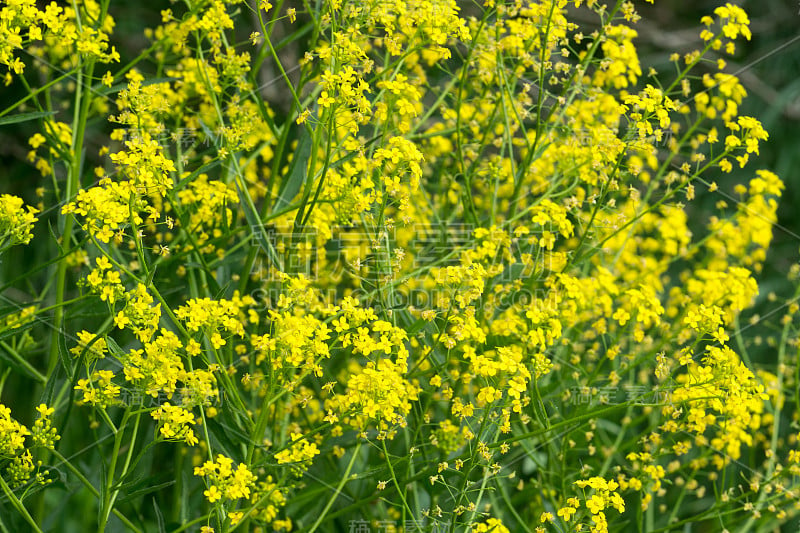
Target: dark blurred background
768 66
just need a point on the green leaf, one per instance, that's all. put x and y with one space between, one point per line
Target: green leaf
162 528
103 484
18 362
11 332
49 388
256 226
184 498
150 276
411 325
298 172
24 117
114 348
136 488
3 526
63 351
191 177
221 437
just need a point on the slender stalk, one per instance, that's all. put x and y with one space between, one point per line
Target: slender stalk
344 479
18 505
82 101
88 484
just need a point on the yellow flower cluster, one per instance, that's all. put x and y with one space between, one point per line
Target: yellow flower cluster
98 389
208 204
12 433
16 221
59 28
106 209
299 453
139 314
492 525
12 444
377 391
43 433
459 228
224 483
157 367
91 346
175 423
722 395
604 496
215 316
733 20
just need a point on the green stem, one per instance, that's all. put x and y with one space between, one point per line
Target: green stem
338 490
86 483
109 495
82 101
18 505
23 363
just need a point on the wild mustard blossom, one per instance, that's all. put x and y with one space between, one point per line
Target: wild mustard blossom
492 524
98 389
43 433
224 482
214 316
175 423
16 221
12 433
298 454
15 455
93 346
413 250
57 27
106 209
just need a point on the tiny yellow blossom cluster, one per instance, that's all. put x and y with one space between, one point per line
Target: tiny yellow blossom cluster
224 482
19 463
435 248
174 423
16 221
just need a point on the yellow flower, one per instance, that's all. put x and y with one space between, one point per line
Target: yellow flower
566 513
595 504
16 221
212 493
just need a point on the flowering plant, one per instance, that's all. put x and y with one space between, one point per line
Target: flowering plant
413 264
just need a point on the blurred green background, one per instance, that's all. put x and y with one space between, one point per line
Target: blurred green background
768 66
